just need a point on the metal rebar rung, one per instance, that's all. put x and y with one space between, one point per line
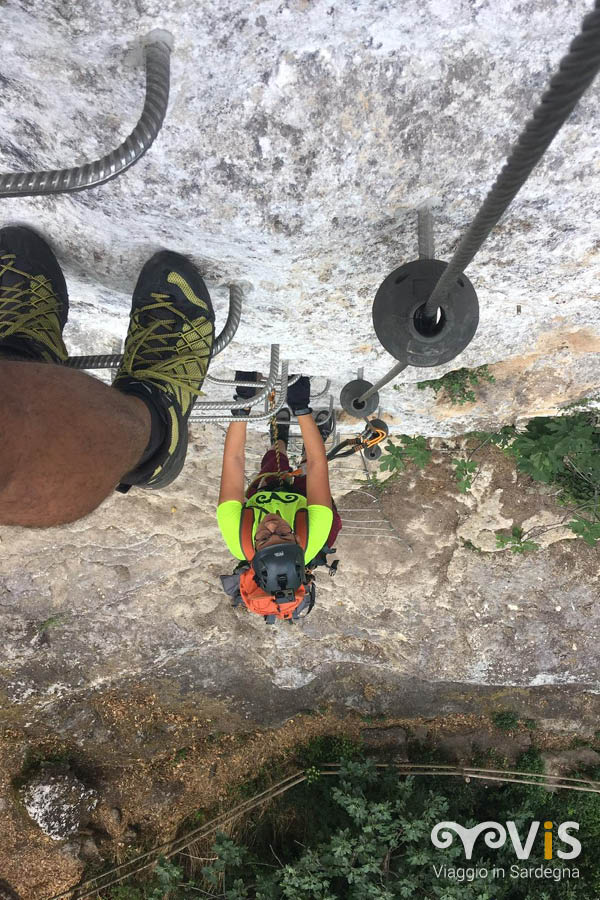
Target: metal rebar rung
263 394
399 367
280 395
157 52
114 360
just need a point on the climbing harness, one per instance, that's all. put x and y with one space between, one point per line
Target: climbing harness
276 445
426 312
242 585
284 479
375 431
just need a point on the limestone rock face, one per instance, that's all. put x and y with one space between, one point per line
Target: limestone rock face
424 613
300 139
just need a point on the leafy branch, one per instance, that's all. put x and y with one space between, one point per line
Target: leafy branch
411 449
458 385
516 541
464 470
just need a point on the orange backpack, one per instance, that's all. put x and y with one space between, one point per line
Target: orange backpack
258 601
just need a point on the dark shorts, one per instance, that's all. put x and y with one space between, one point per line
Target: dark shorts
297 485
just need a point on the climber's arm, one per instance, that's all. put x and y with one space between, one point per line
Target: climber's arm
234 463
318 490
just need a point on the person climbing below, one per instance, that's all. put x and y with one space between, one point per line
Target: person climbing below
66 438
281 525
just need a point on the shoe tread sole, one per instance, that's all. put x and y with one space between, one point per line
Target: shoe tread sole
33 252
153 279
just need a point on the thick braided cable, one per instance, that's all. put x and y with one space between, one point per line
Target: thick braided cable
277 450
576 72
276 443
263 478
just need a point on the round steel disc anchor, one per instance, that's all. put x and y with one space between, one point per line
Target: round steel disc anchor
403 329
349 399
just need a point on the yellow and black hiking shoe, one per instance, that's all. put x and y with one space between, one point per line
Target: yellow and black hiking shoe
34 303
165 359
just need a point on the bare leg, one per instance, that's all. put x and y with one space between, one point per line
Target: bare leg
66 440
281 445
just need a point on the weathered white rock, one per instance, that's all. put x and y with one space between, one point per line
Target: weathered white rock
57 802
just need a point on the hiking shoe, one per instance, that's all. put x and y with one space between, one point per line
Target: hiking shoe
34 303
166 355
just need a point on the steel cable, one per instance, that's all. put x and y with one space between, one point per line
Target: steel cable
576 72
91 887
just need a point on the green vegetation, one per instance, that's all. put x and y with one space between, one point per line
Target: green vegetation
126 892
531 761
578 404
365 834
320 749
505 720
463 471
585 529
373 717
579 742
374 483
181 755
412 449
508 720
328 748
469 545
458 385
52 622
563 451
490 758
515 541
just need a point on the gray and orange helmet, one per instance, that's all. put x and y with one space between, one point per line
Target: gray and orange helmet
280 567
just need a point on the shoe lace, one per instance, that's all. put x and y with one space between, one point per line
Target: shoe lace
153 349
29 308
